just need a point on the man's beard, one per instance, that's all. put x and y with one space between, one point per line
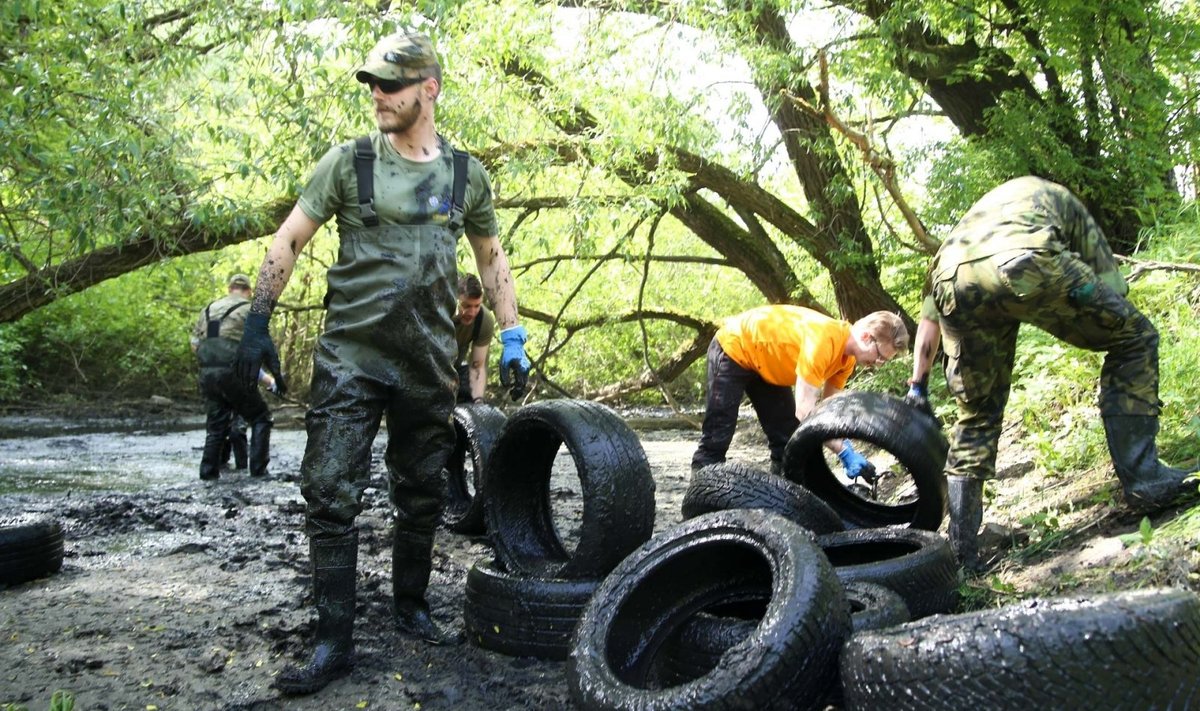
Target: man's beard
399 120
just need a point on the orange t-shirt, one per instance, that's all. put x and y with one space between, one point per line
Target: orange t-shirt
783 343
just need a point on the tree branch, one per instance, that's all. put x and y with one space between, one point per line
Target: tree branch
1142 267
878 161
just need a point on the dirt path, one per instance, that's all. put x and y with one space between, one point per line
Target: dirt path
177 594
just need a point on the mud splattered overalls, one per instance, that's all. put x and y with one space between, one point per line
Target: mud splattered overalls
387 351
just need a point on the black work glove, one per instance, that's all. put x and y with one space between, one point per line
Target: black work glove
256 350
280 388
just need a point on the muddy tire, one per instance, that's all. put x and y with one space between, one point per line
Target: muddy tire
617 490
787 660
477 427
31 547
911 436
917 565
732 485
1127 650
699 644
523 617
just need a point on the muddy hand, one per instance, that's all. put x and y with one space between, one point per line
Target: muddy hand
256 350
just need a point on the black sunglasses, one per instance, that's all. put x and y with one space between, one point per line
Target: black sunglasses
391 86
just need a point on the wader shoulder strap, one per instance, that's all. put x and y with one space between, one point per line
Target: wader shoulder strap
458 196
364 170
214 324
478 327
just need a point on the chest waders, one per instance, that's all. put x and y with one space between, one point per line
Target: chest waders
387 351
224 394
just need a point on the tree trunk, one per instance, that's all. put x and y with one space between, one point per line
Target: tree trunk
42 287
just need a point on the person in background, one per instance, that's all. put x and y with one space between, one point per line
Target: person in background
215 340
401 197
762 353
1029 252
474 326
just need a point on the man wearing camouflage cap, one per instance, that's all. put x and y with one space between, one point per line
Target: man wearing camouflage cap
215 341
1029 252
401 197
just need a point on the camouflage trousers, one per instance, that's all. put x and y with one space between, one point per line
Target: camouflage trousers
981 308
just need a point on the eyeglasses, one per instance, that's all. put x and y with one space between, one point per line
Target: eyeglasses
391 86
878 354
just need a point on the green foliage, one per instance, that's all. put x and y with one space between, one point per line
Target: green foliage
60 700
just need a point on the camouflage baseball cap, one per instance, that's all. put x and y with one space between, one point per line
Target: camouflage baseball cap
240 280
403 55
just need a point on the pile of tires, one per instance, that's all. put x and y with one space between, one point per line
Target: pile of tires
696 572
527 601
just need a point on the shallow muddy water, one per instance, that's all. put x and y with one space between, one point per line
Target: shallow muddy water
180 594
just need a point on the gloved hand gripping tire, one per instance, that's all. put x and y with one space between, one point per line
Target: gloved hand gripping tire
514 364
856 465
256 350
918 395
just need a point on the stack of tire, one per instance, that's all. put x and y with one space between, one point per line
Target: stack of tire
526 602
761 599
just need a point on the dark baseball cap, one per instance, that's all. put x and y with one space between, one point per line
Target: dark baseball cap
404 55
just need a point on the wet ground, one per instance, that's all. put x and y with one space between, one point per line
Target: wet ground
182 594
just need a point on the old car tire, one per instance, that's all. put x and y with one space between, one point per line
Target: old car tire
911 436
522 617
477 427
699 644
617 490
788 659
917 565
31 547
733 485
1128 651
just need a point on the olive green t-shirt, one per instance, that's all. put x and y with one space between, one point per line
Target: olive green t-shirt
406 192
464 331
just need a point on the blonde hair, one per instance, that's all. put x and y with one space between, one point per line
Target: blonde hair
886 327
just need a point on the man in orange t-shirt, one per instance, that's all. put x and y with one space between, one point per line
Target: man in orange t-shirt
763 352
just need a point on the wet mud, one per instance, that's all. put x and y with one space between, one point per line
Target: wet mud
182 594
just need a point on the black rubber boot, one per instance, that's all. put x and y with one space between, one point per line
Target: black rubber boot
260 446
411 566
966 515
237 443
334 562
1149 484
214 438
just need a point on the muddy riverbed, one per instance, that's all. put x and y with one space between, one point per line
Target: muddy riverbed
182 594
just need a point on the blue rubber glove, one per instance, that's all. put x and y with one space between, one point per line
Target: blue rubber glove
256 350
514 364
918 397
856 464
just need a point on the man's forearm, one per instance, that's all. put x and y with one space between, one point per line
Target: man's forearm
478 379
497 279
277 266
